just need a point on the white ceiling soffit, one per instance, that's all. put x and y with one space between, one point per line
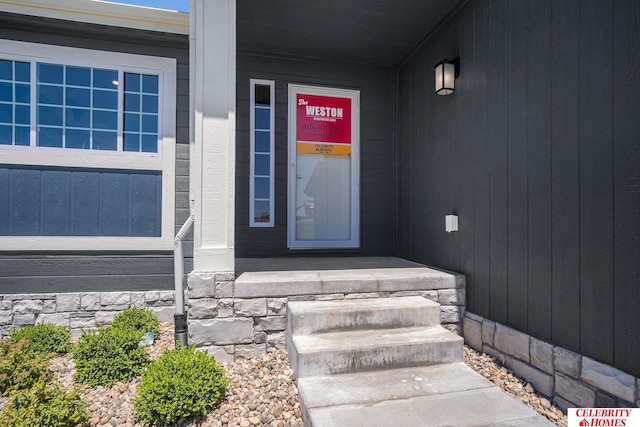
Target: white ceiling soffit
102 12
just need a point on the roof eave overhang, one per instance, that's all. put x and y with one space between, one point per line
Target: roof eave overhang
102 12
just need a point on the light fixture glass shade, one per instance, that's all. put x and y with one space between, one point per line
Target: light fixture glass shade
445 78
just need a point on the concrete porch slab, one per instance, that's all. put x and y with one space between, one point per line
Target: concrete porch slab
281 277
252 265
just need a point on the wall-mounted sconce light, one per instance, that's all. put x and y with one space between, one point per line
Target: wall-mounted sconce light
446 73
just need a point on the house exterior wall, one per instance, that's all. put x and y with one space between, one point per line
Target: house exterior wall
97 270
537 153
376 147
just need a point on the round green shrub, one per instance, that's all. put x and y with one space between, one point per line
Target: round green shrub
181 383
137 319
44 405
44 338
20 366
109 356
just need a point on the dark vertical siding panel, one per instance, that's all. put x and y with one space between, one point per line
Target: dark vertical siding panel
418 155
626 202
539 168
443 110
144 219
56 202
466 217
563 174
565 166
85 204
596 234
453 153
430 176
4 202
455 255
115 204
497 124
403 161
25 202
517 25
377 207
158 216
481 161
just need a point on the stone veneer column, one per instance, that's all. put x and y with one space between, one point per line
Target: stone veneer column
212 159
212 68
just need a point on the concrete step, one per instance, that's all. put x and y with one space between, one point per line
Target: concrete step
369 349
445 394
306 317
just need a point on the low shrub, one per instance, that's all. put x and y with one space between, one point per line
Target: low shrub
109 356
181 383
44 338
20 366
45 405
137 319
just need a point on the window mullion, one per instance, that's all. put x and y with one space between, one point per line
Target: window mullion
91 101
120 130
33 103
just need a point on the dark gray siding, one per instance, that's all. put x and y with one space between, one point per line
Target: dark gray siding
50 272
538 154
376 87
49 201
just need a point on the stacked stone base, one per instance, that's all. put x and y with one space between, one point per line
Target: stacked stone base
228 326
79 311
566 377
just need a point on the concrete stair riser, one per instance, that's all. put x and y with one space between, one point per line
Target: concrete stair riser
309 317
343 352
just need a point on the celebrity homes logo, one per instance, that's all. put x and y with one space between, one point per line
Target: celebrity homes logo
604 417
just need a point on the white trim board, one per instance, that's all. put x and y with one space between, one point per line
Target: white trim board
103 13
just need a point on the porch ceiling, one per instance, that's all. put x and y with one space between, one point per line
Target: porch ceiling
376 32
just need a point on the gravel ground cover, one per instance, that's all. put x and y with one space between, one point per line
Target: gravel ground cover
262 393
520 389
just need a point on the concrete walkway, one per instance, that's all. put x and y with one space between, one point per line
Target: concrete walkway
388 362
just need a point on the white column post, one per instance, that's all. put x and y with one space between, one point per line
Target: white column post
213 101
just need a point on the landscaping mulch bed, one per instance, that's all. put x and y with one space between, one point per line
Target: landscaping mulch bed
261 391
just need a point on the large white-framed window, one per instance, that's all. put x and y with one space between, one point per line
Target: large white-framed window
262 162
75 123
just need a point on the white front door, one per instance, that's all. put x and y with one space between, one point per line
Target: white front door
324 178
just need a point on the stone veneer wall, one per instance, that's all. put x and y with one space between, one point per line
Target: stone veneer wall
79 311
568 378
229 327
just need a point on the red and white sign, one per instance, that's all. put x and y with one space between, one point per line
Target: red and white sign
603 417
323 125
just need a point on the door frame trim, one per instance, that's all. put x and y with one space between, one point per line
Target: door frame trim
354 94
